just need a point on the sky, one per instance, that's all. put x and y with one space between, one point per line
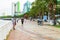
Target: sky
6 6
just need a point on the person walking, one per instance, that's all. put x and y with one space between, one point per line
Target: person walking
30 18
14 23
22 21
39 21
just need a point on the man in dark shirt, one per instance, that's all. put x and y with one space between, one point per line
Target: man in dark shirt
22 21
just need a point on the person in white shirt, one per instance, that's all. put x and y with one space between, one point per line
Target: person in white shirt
14 23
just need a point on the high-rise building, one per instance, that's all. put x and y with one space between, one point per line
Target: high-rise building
16 8
27 6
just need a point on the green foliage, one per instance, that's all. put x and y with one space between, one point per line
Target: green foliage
58 26
12 16
5 16
39 7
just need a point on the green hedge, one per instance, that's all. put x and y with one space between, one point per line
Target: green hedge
12 16
5 16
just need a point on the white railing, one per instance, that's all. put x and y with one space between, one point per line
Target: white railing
5 29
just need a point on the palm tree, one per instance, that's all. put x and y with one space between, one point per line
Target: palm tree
40 6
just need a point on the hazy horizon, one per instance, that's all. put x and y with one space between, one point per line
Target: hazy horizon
6 6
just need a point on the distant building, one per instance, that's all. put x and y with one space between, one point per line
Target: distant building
16 8
27 6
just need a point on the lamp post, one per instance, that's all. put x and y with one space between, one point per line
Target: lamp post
14 10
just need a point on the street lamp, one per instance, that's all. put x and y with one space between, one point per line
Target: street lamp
14 10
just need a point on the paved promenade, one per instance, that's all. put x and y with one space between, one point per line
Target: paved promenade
32 31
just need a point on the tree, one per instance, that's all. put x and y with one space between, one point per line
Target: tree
40 6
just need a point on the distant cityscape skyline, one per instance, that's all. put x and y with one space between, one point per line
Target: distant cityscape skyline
6 6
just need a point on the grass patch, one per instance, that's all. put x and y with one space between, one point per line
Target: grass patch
58 26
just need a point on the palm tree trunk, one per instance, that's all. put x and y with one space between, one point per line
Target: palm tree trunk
50 9
54 10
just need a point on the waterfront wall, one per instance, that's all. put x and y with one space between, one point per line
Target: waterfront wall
5 29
